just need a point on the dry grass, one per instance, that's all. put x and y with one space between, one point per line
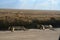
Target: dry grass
29 14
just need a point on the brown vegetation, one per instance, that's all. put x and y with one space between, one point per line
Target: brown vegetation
28 18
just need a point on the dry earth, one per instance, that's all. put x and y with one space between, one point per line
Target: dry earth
31 34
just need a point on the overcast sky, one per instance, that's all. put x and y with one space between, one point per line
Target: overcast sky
31 4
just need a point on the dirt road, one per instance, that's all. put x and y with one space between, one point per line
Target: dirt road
31 34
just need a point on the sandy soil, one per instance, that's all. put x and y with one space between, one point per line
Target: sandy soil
31 34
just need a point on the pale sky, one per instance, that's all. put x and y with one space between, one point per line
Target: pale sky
31 4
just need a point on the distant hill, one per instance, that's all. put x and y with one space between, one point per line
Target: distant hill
31 11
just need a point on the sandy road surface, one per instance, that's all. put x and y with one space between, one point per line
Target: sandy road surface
31 34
